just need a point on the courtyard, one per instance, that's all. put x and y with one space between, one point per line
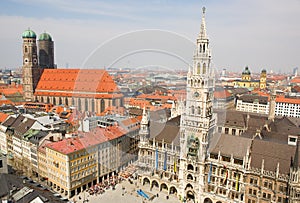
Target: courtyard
126 191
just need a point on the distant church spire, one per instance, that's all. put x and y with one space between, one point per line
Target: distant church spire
202 34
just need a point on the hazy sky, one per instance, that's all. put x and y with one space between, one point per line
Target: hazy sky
257 33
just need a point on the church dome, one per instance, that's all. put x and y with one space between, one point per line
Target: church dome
28 34
263 71
246 71
45 37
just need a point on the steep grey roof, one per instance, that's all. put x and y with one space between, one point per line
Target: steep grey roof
231 118
169 131
159 115
9 121
229 145
272 153
24 125
236 91
17 121
279 130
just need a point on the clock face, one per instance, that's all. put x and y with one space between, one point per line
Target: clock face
26 60
35 61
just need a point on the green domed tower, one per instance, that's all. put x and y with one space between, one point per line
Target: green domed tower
31 72
46 51
246 74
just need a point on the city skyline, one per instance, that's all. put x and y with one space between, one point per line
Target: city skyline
258 34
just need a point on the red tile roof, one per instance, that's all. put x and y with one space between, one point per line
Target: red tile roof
77 82
113 110
288 100
11 89
157 97
85 140
3 117
295 80
222 94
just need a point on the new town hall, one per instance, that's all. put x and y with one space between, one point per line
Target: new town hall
232 157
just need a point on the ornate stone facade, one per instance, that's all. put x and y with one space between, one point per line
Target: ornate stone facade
245 158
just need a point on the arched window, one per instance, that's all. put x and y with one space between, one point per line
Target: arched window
73 101
93 105
102 105
200 48
199 110
198 68
66 101
86 104
190 177
48 100
26 49
79 104
42 99
203 48
192 109
190 167
204 69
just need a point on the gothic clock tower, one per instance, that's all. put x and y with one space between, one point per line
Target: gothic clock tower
197 122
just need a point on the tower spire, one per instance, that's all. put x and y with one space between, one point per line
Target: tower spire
144 130
202 34
145 117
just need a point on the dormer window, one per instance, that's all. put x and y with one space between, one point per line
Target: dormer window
292 140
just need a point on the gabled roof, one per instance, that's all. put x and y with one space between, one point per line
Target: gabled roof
9 121
88 139
272 153
168 131
280 129
231 118
22 125
295 80
229 145
71 81
3 117
223 94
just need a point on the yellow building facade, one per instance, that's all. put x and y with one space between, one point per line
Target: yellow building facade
247 82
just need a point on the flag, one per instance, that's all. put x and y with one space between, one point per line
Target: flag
165 161
225 177
237 182
156 159
209 173
175 167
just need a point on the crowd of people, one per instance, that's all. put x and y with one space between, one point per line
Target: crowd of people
106 184
111 182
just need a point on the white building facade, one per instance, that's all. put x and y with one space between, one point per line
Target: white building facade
287 107
253 104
